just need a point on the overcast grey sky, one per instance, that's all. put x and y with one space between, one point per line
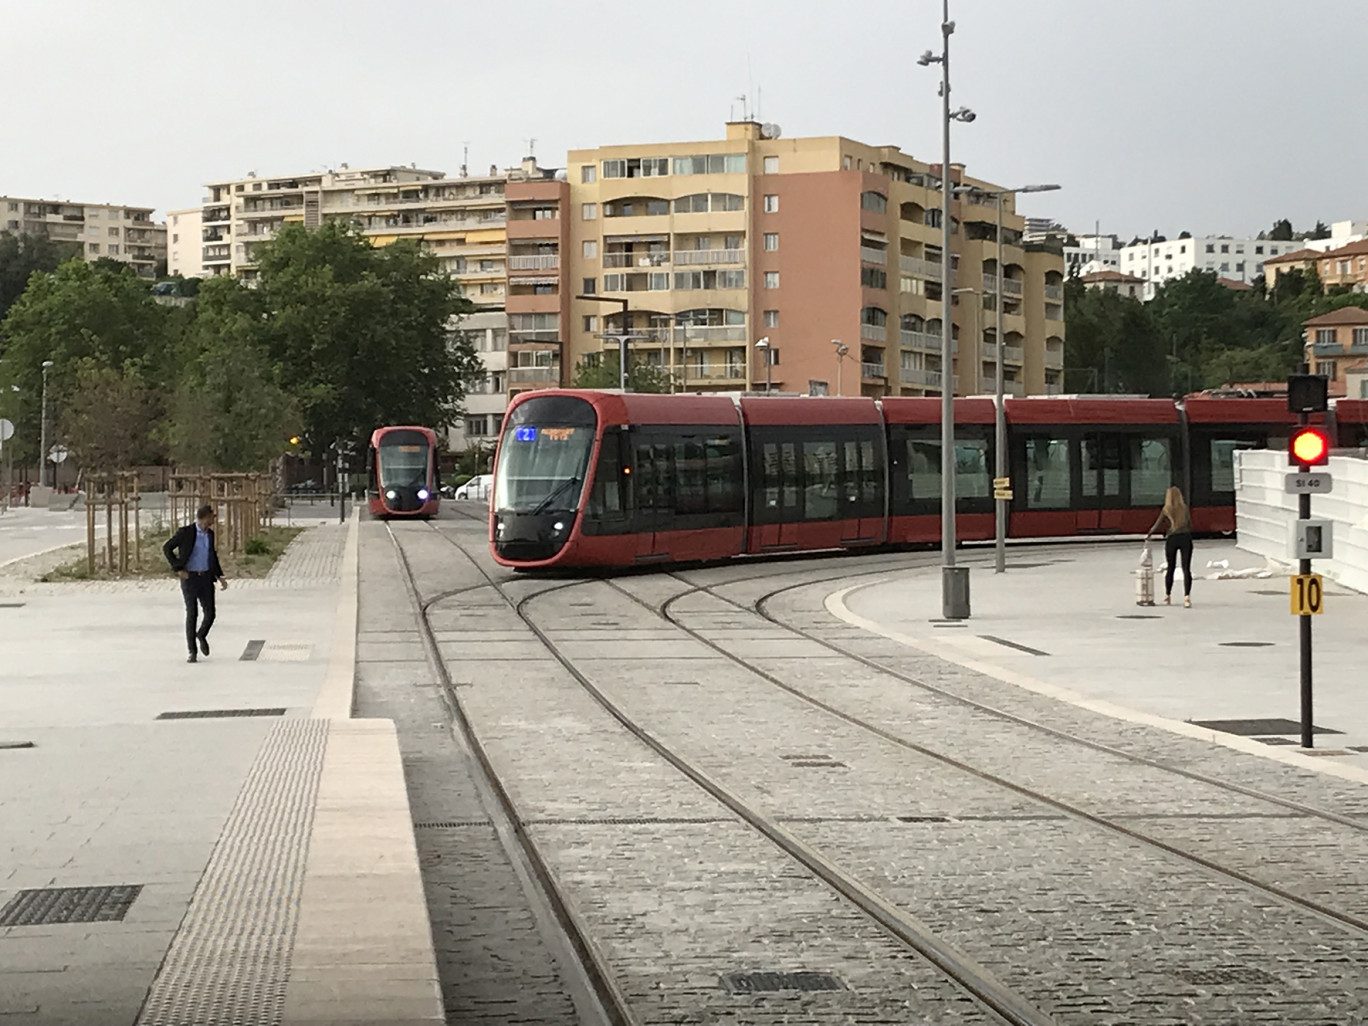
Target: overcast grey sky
1215 116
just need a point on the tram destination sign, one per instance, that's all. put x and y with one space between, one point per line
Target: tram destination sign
1308 483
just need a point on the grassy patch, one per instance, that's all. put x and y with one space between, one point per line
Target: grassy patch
262 553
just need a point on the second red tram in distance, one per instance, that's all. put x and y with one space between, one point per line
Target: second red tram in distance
587 478
402 463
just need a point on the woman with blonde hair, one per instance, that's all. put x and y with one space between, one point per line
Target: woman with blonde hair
1179 540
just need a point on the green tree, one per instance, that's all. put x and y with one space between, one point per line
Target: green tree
358 336
77 316
1281 231
21 256
229 411
1112 345
604 372
109 417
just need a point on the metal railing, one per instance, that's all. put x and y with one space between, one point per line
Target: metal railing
872 370
1054 358
535 262
1327 349
534 375
1055 292
1010 287
920 340
873 256
920 376
874 332
709 374
711 333
709 256
924 268
635 259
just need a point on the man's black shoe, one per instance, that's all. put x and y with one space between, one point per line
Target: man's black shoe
204 645
192 658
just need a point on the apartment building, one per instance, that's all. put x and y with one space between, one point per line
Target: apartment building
827 248
126 234
184 242
1238 259
1337 346
462 221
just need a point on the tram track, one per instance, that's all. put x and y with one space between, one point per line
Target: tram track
1344 920
997 1000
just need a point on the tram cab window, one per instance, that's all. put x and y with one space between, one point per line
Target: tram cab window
1047 473
1101 454
605 498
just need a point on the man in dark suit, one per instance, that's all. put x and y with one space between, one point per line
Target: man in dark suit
192 555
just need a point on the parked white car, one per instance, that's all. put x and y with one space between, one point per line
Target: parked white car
476 488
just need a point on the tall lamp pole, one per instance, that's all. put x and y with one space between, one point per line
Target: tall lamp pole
764 346
42 435
621 338
842 350
954 580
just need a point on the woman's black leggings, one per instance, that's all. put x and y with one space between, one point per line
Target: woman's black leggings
1174 544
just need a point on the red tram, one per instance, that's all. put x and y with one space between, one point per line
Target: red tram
402 463
587 478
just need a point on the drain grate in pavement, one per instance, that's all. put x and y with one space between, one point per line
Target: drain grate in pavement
285 652
817 764
629 820
1246 644
681 683
214 714
1275 740
757 983
922 819
51 905
1012 644
16 744
252 650
452 824
1252 728
1220 977
1139 616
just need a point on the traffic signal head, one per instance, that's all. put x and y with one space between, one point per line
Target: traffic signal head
1309 446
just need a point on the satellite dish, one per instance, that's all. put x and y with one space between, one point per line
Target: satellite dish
769 130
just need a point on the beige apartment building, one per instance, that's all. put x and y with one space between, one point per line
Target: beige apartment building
462 221
126 234
827 248
184 243
1336 345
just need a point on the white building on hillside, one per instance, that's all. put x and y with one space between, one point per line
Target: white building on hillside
184 247
1236 259
1092 253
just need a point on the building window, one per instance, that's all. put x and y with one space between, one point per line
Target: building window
771 279
771 165
1325 335
591 322
702 202
1210 248
875 201
1361 336
711 164
614 282
1327 368
475 426
113 249
498 341
873 277
771 204
1225 248
1239 267
114 232
771 241
543 213
94 247
771 318
588 174
1258 249
590 249
589 287
1225 267
845 163
589 211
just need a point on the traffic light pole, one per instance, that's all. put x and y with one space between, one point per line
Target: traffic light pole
1304 513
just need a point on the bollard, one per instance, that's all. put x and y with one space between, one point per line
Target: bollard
1144 579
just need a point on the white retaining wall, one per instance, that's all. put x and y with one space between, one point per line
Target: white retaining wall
1263 512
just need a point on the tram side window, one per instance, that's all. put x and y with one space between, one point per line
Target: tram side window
691 492
1047 473
1151 470
779 466
863 477
723 454
1223 462
605 499
972 477
1102 454
821 495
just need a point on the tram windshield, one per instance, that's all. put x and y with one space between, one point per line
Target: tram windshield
403 460
544 456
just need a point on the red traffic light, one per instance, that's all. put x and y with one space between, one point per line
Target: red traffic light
1309 446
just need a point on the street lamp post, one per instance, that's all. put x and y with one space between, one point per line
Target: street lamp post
954 580
42 434
1000 417
621 338
842 350
764 346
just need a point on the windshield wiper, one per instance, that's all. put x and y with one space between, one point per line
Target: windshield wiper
554 494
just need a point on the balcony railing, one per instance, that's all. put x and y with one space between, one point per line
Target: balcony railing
1054 358
536 262
1054 312
711 333
920 340
919 376
709 256
1055 292
875 332
534 375
709 374
1358 348
988 386
872 370
1327 349
873 256
923 268
1010 286
1051 389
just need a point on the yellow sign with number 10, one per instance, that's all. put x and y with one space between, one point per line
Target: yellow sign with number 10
1308 595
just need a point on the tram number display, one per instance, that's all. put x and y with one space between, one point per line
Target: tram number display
1308 595
550 434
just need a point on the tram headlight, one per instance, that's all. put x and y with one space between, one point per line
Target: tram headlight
391 494
558 526
423 495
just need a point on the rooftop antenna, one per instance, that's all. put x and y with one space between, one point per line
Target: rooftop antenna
465 158
531 147
745 113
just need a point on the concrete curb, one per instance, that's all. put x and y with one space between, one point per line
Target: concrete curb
337 695
835 605
363 947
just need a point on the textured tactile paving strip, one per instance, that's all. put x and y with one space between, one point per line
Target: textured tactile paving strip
230 961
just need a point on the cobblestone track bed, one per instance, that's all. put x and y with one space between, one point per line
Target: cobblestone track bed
1311 861
674 906
494 966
